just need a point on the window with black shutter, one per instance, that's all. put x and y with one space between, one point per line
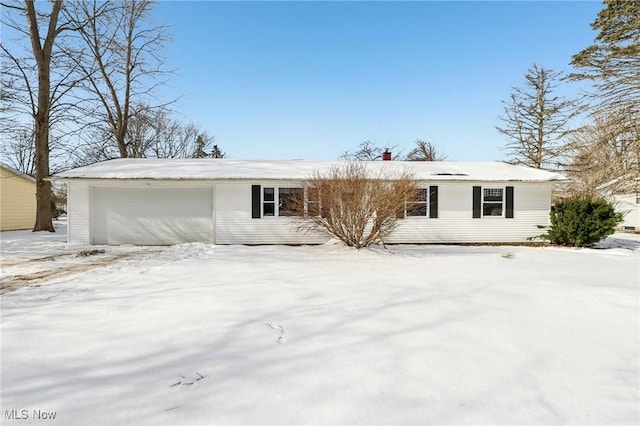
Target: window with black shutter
493 202
275 202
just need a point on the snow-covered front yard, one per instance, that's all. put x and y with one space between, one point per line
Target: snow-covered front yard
447 335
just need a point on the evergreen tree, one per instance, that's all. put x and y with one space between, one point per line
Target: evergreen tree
613 61
217 153
580 222
199 150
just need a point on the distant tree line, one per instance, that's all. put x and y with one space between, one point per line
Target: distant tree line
369 151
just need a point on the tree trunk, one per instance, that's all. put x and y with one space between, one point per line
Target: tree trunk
42 54
44 220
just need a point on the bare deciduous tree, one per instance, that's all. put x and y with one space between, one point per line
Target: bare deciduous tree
35 85
537 122
42 49
358 206
368 151
18 149
425 151
122 63
606 150
151 133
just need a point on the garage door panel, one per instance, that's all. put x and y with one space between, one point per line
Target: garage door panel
153 216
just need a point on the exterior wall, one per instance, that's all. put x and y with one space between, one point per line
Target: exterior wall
627 205
78 212
17 201
233 222
455 224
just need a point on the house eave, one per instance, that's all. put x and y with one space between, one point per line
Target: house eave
18 173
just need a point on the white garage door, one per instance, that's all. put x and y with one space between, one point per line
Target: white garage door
152 216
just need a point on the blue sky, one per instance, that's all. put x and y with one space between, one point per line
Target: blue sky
285 80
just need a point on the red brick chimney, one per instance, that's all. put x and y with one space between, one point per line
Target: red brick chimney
386 155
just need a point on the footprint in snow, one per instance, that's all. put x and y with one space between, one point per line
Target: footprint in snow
280 329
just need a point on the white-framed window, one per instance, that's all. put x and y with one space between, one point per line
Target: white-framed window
268 201
493 202
419 206
289 201
283 197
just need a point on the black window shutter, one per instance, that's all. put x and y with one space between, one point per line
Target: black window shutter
477 201
433 202
509 202
255 201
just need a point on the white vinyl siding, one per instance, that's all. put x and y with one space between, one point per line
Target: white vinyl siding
79 212
628 205
234 224
455 224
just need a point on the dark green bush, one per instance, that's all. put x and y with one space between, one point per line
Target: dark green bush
579 222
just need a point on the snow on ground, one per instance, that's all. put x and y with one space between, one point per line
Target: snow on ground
448 335
26 253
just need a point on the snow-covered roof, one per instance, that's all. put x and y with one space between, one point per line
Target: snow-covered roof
224 169
17 172
621 185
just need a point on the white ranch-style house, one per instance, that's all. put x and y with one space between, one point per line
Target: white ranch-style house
165 202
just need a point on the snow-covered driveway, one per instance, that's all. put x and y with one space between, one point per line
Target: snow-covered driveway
28 259
199 334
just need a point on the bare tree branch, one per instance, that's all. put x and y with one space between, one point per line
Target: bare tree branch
425 151
368 151
124 65
353 204
537 122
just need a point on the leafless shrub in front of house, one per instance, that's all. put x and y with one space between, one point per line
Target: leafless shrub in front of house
358 206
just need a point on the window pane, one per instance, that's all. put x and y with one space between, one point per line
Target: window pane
269 194
492 209
493 194
416 209
312 193
421 194
268 209
313 202
290 202
313 209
